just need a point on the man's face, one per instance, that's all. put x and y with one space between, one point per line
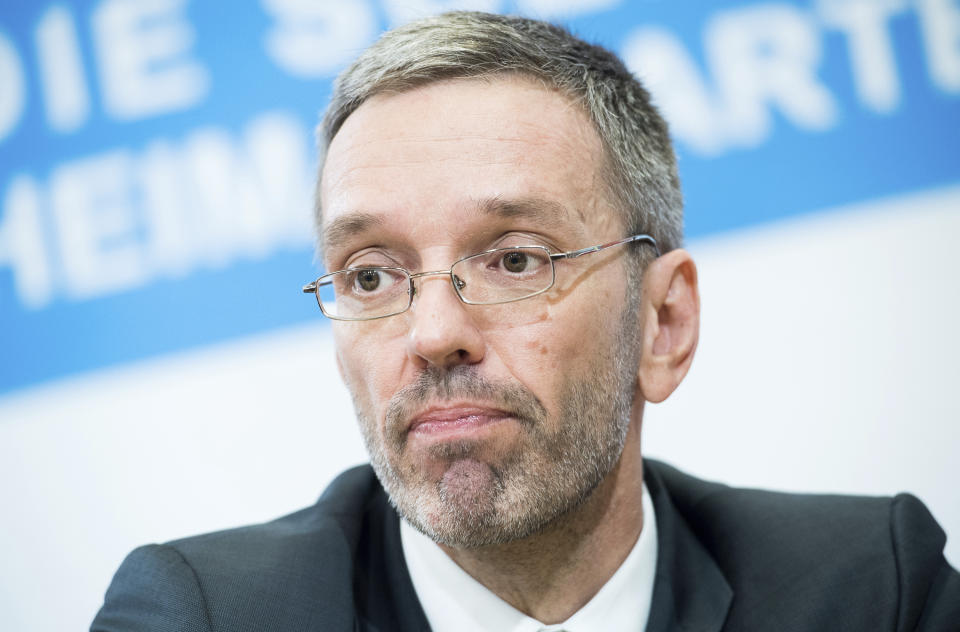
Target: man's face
484 423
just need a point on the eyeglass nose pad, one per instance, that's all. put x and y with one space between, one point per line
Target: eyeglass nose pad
458 282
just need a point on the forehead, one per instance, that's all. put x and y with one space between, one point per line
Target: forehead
433 155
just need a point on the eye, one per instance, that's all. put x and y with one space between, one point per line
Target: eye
372 282
521 261
368 280
515 261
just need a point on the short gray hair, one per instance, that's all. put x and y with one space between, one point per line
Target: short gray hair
642 170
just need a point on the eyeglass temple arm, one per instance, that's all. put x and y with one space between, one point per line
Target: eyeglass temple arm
573 254
310 288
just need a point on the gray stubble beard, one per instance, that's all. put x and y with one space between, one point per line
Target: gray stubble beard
477 504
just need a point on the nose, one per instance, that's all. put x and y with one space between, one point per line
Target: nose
443 332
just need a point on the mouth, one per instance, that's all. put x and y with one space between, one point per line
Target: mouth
455 421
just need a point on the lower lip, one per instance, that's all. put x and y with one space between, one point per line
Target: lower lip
459 427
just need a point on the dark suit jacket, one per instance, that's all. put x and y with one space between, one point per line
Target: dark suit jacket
729 559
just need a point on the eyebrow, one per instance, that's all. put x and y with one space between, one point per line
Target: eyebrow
346 226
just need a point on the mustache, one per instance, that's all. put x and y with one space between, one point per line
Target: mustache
461 382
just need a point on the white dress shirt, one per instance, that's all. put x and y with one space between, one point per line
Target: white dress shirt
455 602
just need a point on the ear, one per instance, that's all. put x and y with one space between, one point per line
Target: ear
670 321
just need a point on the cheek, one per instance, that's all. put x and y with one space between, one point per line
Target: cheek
566 338
371 366
522 341
541 352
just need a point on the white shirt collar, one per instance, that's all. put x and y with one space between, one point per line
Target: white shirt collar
455 602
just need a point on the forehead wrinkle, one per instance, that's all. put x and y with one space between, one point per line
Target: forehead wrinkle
484 149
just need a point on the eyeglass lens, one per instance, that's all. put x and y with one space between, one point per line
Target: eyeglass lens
364 293
504 275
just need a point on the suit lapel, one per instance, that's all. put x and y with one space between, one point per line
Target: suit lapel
690 593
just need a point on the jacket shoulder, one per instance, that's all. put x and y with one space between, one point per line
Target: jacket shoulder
854 562
329 526
293 573
153 590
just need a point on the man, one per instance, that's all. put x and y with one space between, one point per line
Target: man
500 210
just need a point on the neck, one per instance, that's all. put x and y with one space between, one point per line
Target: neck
555 572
